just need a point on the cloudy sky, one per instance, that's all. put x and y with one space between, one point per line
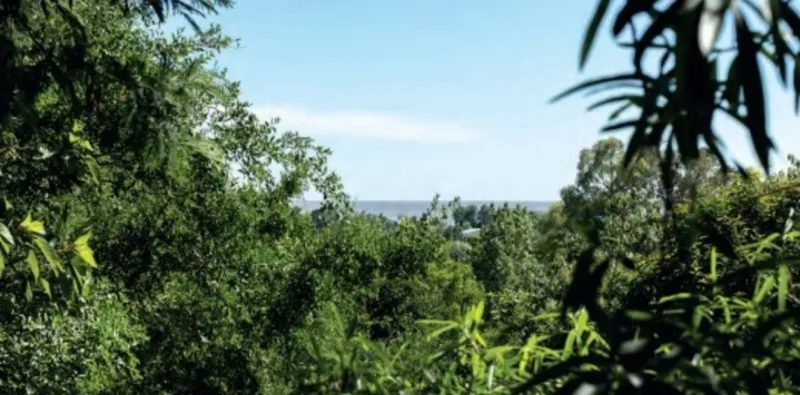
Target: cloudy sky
418 97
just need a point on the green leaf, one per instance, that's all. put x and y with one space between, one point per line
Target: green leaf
6 234
48 253
33 264
45 286
2 262
435 322
713 264
84 251
77 127
763 289
591 31
440 331
31 226
28 291
783 287
569 344
638 315
671 298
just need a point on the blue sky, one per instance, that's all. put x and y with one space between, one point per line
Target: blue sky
422 97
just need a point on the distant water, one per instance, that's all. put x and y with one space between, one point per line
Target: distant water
408 208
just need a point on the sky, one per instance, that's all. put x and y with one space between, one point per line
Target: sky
420 97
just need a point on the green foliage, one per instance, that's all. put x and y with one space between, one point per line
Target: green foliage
85 349
149 240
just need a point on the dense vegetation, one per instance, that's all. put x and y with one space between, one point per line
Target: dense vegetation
150 244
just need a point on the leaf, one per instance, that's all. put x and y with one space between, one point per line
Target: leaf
713 264
629 10
679 296
2 262
620 125
753 91
797 85
33 264
763 289
591 31
4 244
556 371
31 226
83 250
434 322
440 331
659 24
635 77
633 99
6 234
638 315
48 253
28 291
783 287
733 86
45 286
781 48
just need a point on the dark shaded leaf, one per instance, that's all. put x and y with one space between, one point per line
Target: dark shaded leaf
615 99
629 10
659 24
753 92
597 82
797 85
591 31
558 370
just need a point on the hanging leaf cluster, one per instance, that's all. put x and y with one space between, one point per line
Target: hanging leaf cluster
694 76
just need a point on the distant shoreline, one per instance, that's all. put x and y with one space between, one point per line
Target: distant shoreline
405 208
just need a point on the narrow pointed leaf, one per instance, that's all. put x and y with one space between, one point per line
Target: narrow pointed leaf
635 77
33 264
661 22
28 291
629 10
48 253
591 31
753 92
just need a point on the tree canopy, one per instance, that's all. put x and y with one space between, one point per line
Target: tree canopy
150 244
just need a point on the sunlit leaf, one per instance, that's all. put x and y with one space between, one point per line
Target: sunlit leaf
45 286
783 286
48 253
6 234
83 250
31 226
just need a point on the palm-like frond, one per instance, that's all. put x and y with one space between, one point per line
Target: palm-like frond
678 97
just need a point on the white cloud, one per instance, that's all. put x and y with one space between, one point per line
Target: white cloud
367 125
